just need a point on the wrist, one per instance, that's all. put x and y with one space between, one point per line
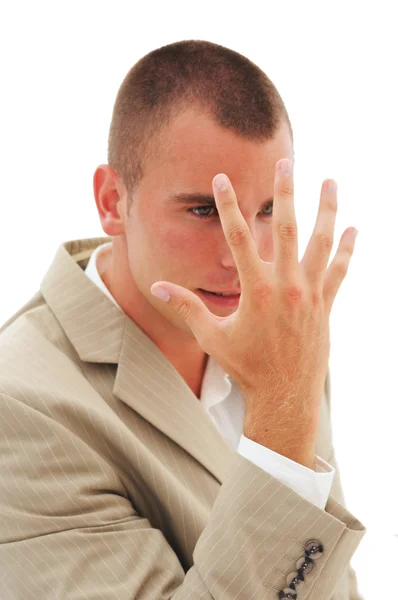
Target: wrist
296 447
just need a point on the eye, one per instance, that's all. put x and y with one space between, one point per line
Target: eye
201 208
269 206
207 216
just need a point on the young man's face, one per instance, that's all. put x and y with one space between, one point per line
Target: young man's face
167 241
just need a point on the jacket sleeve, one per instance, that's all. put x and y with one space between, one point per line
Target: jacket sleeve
348 585
68 529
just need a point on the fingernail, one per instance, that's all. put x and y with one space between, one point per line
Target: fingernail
161 293
285 167
221 182
331 187
355 231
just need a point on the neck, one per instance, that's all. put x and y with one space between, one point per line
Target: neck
179 347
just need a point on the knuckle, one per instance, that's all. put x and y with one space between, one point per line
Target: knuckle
341 267
237 235
286 188
331 203
316 297
287 230
294 292
324 241
228 200
183 310
262 290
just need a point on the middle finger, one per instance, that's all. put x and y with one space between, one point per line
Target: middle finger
284 225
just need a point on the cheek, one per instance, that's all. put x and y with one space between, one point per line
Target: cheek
174 240
182 246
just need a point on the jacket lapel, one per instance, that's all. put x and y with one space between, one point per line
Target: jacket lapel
145 380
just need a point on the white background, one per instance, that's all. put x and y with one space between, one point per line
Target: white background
335 67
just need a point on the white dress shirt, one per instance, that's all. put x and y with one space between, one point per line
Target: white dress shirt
223 402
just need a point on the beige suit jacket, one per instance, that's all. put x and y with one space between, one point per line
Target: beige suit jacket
115 484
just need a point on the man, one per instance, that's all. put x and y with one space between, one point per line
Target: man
181 448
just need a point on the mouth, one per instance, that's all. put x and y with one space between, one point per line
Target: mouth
227 299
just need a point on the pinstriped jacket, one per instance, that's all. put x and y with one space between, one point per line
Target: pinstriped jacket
115 484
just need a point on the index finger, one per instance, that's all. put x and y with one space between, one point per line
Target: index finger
236 231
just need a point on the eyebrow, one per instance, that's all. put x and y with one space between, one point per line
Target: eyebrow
199 198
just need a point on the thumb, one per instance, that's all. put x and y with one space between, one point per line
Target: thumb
188 306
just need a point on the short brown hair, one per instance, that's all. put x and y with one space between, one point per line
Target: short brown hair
234 91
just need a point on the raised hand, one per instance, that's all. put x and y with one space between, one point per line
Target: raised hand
276 345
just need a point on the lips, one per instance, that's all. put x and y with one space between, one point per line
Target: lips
222 302
222 293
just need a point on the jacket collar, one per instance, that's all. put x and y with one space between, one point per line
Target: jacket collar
145 380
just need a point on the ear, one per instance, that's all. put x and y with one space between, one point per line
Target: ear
110 195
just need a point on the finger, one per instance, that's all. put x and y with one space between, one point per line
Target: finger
284 225
237 233
338 267
317 254
191 309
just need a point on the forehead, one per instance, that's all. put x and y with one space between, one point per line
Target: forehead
193 149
